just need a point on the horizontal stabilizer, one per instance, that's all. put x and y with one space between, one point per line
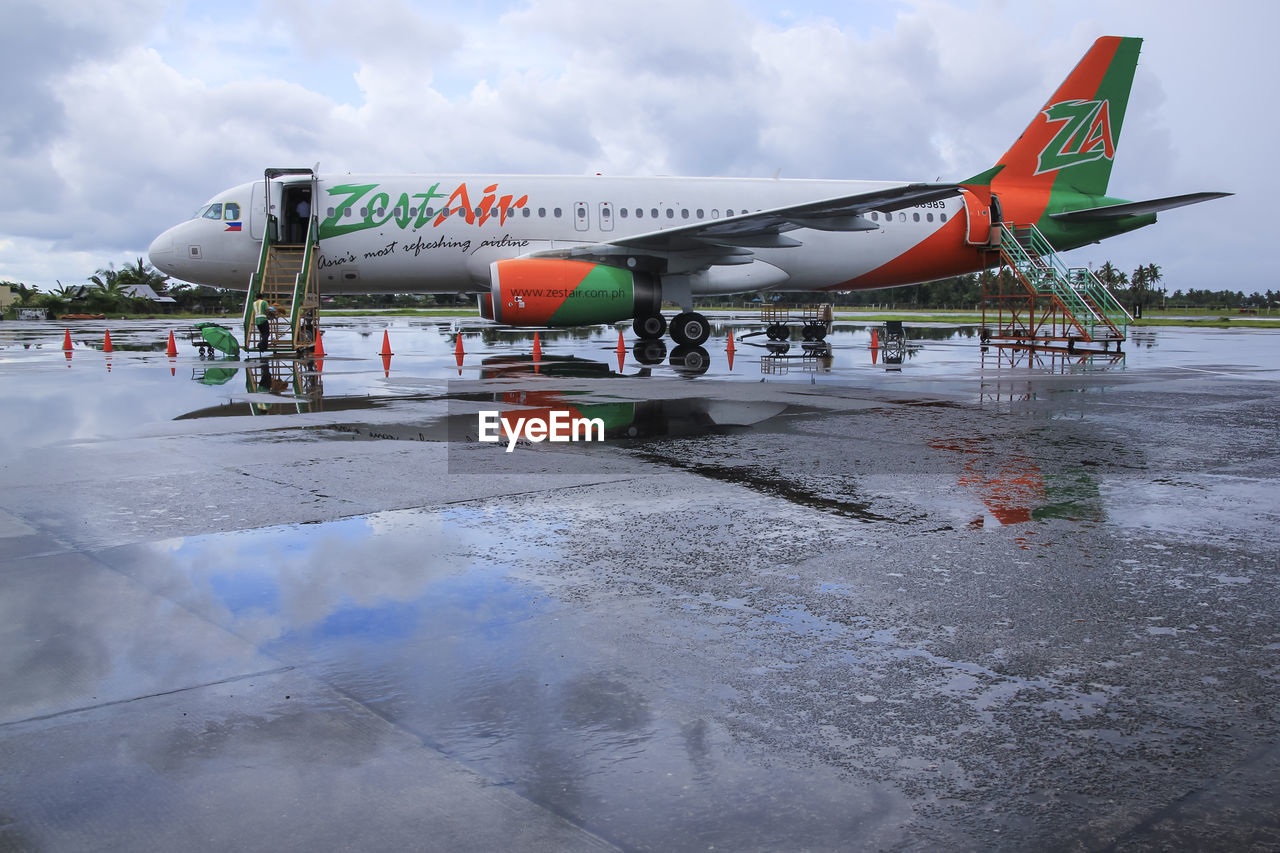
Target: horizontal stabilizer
1134 208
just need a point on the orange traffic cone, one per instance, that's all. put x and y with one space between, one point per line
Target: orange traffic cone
537 347
172 349
66 340
875 338
730 348
319 350
106 341
386 364
386 345
457 347
622 345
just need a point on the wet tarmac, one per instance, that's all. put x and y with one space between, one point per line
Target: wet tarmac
802 599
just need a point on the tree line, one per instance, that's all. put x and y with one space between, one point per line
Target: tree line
106 292
1138 289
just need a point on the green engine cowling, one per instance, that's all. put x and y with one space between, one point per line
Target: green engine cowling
561 292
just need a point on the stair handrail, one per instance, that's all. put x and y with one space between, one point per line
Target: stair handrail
1045 272
301 281
1116 315
255 280
1064 287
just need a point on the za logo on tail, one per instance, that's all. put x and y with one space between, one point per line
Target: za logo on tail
1085 137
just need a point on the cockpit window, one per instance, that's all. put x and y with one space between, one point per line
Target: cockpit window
231 211
214 211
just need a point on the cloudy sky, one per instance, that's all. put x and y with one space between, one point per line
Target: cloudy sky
121 116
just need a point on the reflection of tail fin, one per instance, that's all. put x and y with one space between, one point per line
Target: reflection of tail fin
1071 142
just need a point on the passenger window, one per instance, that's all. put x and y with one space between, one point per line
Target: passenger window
684 213
671 214
715 213
214 211
231 211
929 216
556 212
329 213
542 213
916 217
729 212
700 216
902 217
874 217
942 216
527 212
654 213
622 211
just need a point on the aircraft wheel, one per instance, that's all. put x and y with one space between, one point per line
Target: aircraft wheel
649 328
690 329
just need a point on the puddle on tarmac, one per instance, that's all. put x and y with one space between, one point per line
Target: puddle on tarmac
88 395
464 644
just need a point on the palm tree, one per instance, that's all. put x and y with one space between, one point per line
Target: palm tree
65 291
1111 277
143 273
1154 275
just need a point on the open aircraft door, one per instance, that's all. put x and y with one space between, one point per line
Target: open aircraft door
981 214
283 191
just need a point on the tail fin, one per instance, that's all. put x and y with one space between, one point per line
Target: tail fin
1071 142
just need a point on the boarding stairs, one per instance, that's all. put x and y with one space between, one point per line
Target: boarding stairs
1039 300
287 278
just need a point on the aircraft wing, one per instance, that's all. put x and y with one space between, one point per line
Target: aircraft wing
687 248
1134 208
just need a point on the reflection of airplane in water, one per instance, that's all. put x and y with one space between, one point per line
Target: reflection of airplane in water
688 361
1015 489
623 419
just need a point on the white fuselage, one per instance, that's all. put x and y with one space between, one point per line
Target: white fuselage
387 233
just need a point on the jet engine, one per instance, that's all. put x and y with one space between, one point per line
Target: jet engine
560 292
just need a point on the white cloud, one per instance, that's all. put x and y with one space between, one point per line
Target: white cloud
121 123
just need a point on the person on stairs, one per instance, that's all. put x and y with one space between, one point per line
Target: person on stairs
263 311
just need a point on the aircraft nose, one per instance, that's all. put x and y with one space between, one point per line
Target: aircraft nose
162 254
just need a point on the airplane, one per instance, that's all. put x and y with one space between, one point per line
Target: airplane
567 251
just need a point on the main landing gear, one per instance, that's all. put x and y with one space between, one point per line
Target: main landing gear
688 328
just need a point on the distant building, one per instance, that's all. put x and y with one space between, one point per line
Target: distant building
144 291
